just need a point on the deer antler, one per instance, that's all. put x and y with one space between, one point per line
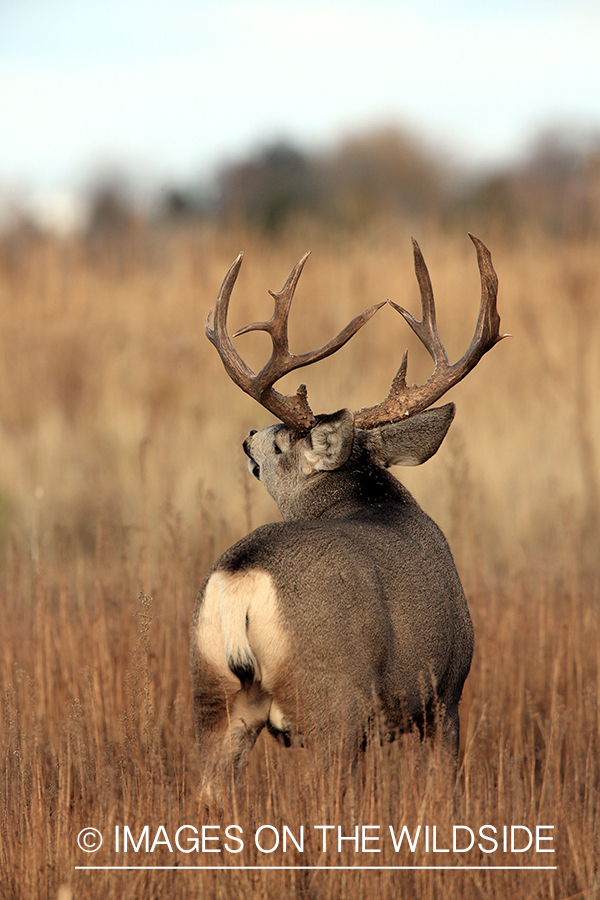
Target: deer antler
293 410
404 400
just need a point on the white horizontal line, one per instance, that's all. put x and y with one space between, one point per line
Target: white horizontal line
317 868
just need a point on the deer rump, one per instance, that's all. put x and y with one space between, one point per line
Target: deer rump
337 620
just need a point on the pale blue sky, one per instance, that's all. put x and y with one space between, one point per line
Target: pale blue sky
165 90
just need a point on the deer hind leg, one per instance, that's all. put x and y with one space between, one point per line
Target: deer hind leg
442 725
238 650
227 726
449 733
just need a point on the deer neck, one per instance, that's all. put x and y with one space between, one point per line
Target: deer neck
343 494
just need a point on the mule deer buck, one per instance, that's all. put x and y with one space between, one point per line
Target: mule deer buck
352 605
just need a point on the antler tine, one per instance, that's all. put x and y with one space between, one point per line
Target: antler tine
487 331
403 401
235 366
293 410
277 324
281 359
426 329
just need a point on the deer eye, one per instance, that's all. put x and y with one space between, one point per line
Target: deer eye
276 447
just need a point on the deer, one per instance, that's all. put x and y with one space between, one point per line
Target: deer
351 606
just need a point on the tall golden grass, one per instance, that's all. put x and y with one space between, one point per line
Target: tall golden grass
123 479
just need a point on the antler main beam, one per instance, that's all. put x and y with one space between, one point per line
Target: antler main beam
404 400
294 409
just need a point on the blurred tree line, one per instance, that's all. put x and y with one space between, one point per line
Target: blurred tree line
388 174
385 175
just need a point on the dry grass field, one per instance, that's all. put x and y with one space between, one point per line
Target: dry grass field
123 478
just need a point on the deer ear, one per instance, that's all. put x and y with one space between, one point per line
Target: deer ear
412 441
328 445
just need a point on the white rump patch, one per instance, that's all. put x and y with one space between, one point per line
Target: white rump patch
240 624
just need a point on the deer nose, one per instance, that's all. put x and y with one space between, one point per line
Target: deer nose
246 444
252 431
